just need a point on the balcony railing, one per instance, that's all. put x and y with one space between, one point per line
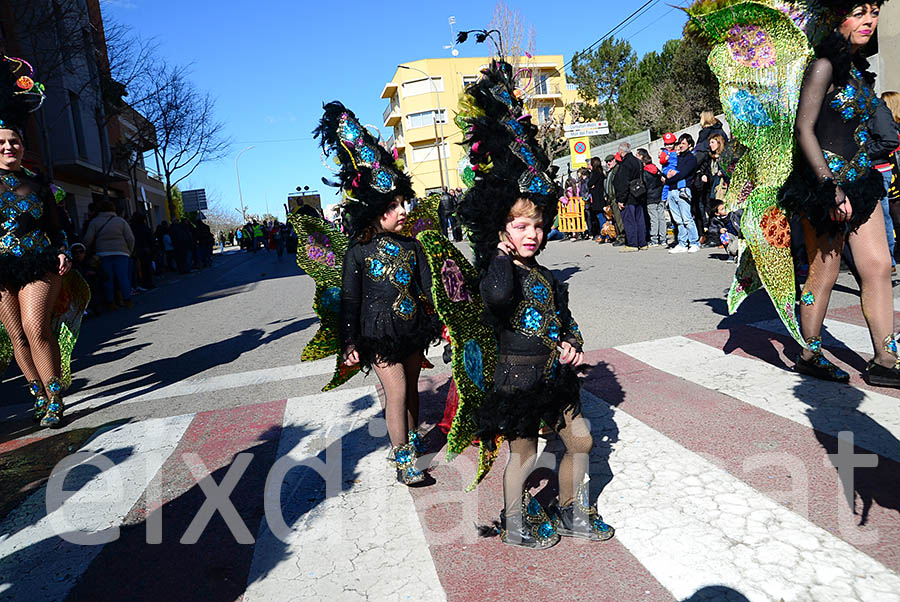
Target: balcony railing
546 89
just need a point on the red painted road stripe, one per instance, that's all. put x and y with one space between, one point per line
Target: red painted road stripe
216 567
474 568
730 433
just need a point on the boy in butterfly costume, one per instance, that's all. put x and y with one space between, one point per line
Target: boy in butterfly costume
795 89
515 344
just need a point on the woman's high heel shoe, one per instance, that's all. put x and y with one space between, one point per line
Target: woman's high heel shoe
882 376
818 365
53 417
40 400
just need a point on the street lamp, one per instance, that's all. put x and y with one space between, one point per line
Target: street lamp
240 194
437 100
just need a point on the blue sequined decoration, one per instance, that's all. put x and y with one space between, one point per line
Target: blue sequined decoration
376 268
384 182
406 307
540 292
391 249
331 299
532 319
748 108
546 530
367 154
553 330
403 276
807 298
474 363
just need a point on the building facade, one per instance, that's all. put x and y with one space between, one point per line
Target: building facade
73 138
422 99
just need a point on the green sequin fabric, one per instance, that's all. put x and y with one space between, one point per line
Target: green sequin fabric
320 253
459 306
65 322
760 50
423 217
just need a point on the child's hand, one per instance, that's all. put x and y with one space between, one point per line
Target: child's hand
506 248
569 355
351 356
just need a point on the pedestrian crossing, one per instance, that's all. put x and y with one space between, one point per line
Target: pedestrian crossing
720 468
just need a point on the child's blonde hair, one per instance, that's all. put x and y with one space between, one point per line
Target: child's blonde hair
523 208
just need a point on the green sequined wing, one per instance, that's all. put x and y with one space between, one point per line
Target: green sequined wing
65 320
459 306
423 217
759 54
320 253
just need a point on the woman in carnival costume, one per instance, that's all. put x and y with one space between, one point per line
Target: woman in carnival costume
384 323
506 211
795 88
34 253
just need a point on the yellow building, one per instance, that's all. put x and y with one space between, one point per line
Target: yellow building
422 98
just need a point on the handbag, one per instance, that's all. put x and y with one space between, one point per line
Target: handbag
637 187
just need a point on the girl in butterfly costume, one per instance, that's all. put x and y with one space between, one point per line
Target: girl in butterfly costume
384 322
534 343
34 253
796 92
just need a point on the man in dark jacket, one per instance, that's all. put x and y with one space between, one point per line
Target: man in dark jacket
446 213
680 181
612 167
598 195
631 204
883 142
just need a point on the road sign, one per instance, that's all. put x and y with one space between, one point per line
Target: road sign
588 125
193 200
580 150
587 132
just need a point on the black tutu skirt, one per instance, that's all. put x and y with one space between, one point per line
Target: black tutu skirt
387 340
802 194
16 272
522 399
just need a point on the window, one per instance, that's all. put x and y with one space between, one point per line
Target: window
425 118
572 87
422 86
428 152
541 84
77 124
544 113
469 79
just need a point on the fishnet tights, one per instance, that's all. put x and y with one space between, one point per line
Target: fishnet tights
400 383
26 316
873 262
576 436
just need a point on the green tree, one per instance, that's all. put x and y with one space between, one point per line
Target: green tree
600 74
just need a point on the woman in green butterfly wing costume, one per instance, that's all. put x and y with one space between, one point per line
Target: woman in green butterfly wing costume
759 52
794 71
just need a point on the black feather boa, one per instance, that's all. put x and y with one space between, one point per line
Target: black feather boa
393 350
837 49
517 412
16 272
803 194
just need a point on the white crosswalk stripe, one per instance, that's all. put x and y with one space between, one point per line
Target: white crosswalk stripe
778 391
32 557
691 524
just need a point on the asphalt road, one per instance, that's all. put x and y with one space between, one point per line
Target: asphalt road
231 327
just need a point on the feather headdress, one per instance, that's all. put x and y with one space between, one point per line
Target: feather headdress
369 176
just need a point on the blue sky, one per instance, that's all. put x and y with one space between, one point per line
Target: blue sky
271 64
